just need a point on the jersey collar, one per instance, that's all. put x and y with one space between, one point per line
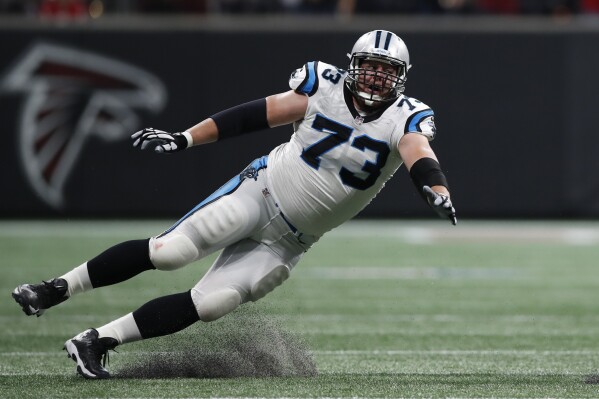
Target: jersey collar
354 112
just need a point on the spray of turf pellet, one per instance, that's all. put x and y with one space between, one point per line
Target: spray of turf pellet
242 344
592 379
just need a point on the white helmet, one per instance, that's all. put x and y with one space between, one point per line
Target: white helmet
380 46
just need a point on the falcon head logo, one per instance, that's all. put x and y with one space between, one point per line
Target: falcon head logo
71 95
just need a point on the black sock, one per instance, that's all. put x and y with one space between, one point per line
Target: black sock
166 315
120 263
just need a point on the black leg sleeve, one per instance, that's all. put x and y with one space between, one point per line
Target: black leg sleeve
120 263
166 315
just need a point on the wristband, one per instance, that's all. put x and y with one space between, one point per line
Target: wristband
188 137
427 172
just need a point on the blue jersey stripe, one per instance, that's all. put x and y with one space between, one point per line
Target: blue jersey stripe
226 189
417 118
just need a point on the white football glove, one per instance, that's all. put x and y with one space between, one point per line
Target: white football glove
441 204
160 141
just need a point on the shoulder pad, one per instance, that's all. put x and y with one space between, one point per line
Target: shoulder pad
305 79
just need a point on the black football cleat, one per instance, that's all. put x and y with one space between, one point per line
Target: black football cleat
90 353
36 298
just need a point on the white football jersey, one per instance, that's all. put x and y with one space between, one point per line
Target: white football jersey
338 160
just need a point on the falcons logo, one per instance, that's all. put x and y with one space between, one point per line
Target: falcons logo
72 95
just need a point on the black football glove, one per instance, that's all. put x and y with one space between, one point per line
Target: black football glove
159 140
441 204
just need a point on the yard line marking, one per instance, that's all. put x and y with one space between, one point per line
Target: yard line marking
429 232
522 318
449 352
339 397
334 397
391 352
21 374
366 272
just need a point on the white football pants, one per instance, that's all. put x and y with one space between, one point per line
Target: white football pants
260 246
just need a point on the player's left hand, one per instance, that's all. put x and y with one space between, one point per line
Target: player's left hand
159 140
441 204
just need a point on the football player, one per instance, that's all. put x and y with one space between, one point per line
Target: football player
352 130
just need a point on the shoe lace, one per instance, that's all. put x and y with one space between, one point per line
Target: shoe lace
54 293
105 359
100 352
48 286
104 354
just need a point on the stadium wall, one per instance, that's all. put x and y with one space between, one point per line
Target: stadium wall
515 109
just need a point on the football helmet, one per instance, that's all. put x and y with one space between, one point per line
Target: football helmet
378 86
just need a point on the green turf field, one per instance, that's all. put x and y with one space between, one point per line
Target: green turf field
394 309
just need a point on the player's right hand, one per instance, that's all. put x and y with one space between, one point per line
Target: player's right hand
159 140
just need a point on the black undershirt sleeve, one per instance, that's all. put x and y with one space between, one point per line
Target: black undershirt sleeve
241 119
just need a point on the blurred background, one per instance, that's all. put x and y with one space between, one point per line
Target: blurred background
98 8
513 84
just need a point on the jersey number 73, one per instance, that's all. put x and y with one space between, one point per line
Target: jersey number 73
338 135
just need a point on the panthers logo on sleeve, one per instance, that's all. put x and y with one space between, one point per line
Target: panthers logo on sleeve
305 79
422 122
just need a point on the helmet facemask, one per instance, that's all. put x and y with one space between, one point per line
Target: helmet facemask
373 85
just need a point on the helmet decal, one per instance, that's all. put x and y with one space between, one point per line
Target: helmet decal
387 40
